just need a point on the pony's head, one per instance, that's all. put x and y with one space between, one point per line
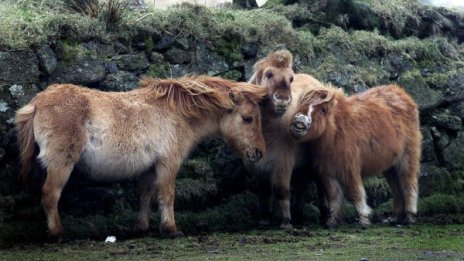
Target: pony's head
315 113
241 127
276 74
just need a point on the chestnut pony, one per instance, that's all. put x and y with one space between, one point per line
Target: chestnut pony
274 172
120 135
367 134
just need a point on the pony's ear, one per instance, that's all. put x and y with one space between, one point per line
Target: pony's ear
235 96
254 79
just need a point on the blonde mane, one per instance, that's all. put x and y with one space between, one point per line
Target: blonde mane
320 94
191 96
281 59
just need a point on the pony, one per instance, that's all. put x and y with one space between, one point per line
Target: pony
120 135
274 171
350 138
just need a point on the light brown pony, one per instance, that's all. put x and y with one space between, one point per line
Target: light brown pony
121 135
274 171
367 134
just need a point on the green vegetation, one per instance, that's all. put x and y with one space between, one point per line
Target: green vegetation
344 243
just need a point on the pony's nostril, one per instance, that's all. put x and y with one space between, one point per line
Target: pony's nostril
254 155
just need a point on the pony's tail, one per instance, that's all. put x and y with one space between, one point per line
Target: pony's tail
23 120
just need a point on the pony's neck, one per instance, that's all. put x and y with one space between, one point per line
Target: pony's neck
206 126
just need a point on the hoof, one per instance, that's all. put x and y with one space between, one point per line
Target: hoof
58 237
264 222
331 223
176 235
409 220
364 222
286 224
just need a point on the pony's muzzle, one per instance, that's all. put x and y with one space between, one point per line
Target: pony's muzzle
281 102
300 125
254 155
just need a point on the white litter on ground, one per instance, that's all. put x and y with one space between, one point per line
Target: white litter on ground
110 239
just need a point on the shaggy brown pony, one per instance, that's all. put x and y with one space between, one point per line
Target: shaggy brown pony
350 138
119 135
274 171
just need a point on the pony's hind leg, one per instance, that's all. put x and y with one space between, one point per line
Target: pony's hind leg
147 196
165 185
332 202
408 175
57 177
398 202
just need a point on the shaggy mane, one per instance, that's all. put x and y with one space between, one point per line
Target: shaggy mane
191 96
320 94
281 59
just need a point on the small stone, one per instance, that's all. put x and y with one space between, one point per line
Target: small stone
177 56
250 51
132 62
156 57
3 106
182 43
120 48
47 59
446 121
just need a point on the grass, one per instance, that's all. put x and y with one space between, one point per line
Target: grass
345 243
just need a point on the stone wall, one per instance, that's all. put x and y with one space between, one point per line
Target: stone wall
213 190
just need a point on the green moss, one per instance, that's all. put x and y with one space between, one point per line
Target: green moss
441 204
233 75
162 70
149 44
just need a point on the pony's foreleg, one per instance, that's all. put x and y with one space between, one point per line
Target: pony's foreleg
332 200
57 177
264 192
300 180
147 196
281 178
354 188
166 173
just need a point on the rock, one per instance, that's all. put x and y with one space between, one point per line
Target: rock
426 97
250 50
19 67
234 75
248 4
248 67
120 48
182 43
177 56
434 179
446 121
47 59
428 151
458 109
120 81
22 94
208 62
165 42
397 64
453 154
132 62
83 71
179 70
101 50
156 57
454 89
440 139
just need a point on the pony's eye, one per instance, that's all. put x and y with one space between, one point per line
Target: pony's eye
324 109
247 119
269 74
